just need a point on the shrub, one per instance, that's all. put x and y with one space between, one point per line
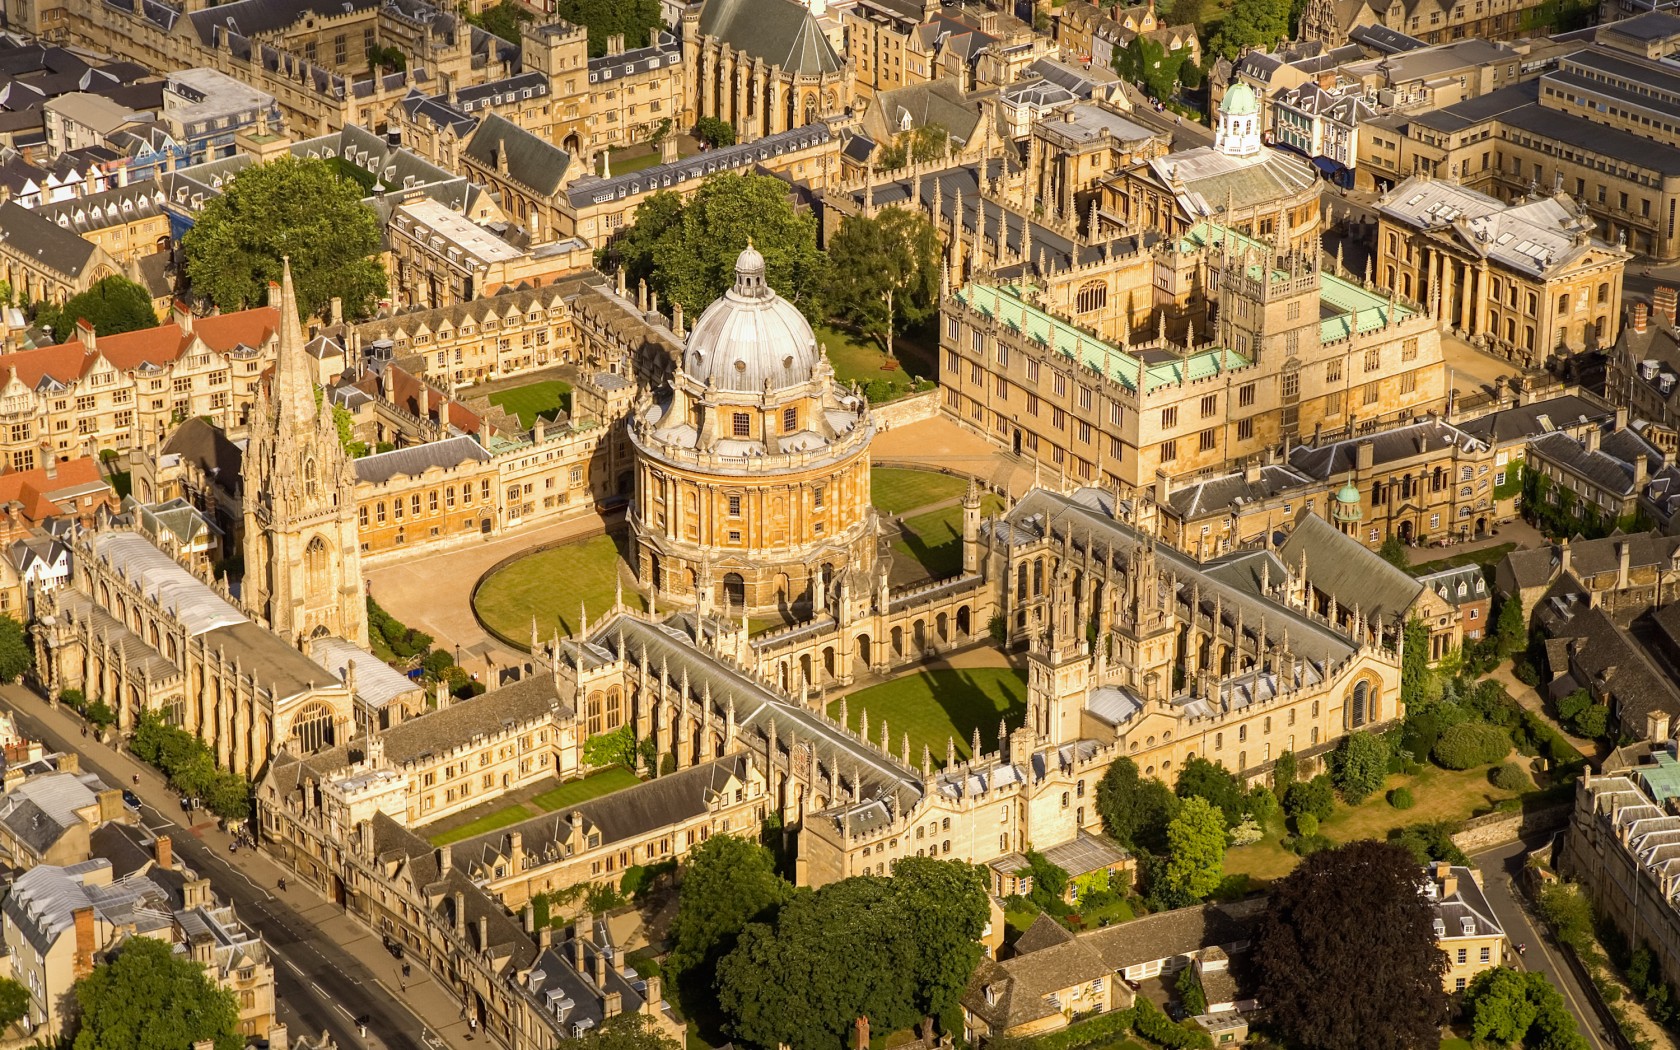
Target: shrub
1307 845
1471 744
1510 777
1159 1029
74 699
1401 798
1306 825
1316 796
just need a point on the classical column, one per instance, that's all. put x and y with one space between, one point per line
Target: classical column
1483 292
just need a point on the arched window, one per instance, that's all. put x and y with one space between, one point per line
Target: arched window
1357 703
315 566
735 590
310 477
1093 295
313 727
615 708
593 711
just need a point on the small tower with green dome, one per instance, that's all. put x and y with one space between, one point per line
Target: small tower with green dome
1238 133
1346 511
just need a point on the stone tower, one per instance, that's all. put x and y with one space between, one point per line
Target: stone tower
1058 670
303 569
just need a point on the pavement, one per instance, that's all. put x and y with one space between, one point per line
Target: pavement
328 969
1500 867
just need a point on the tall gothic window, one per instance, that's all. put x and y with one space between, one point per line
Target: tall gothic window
309 477
315 561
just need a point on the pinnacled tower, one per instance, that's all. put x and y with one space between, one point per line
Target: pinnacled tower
303 570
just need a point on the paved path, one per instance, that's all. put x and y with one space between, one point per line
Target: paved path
1499 867
432 591
328 968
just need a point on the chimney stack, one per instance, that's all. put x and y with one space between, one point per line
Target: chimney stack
83 962
1641 314
163 850
1664 300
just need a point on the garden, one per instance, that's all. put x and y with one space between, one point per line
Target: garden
507 598
544 399
563 796
938 705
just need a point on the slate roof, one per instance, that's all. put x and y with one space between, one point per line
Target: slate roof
1339 565
1336 459
40 239
1609 467
1182 931
617 817
1468 904
532 161
1519 422
484 715
203 443
1016 991
781 32
250 18
939 102
1603 656
1231 491
743 157
1466 583
415 460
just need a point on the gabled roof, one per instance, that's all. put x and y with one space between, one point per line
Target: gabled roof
535 163
1339 565
43 241
781 32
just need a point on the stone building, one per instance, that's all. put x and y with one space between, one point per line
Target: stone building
1239 182
1466 929
1326 350
761 66
42 261
124 391
303 574
752 465
900 43
1526 280
1434 22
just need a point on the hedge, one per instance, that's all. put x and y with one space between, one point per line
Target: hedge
1471 744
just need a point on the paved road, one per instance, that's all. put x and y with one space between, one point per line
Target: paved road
319 986
1499 867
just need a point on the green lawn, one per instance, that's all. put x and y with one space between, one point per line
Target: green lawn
625 165
545 398
858 358
550 585
934 705
1485 556
1440 794
934 539
894 491
593 786
501 818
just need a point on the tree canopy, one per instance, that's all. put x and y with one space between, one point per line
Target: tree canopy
636 19
1195 860
149 998
727 883
1135 809
1218 785
928 142
1252 24
1329 919
897 950
1149 63
885 272
114 304
297 207
686 250
14 1002
1507 1007
1360 766
16 654
627 1032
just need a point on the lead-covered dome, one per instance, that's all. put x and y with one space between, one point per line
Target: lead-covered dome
751 336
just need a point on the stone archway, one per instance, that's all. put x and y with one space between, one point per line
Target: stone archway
314 727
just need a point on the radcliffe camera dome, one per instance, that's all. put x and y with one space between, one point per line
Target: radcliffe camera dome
751 336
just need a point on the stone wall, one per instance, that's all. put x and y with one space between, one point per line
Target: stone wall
1497 829
910 409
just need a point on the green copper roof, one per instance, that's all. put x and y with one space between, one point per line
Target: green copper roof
1662 779
1006 304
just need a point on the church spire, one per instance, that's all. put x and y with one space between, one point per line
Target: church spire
294 389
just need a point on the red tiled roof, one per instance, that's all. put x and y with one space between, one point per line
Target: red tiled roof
160 345
403 389
29 488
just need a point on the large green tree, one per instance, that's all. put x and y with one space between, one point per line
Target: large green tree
296 207
1252 24
1339 914
1195 860
1359 766
1204 779
686 251
114 304
944 906
885 272
727 883
1507 1007
1135 809
149 998
636 19
16 654
899 951
14 1002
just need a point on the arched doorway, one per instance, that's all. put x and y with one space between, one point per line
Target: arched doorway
964 626
863 653
734 591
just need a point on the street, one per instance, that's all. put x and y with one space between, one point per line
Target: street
1499 867
319 986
